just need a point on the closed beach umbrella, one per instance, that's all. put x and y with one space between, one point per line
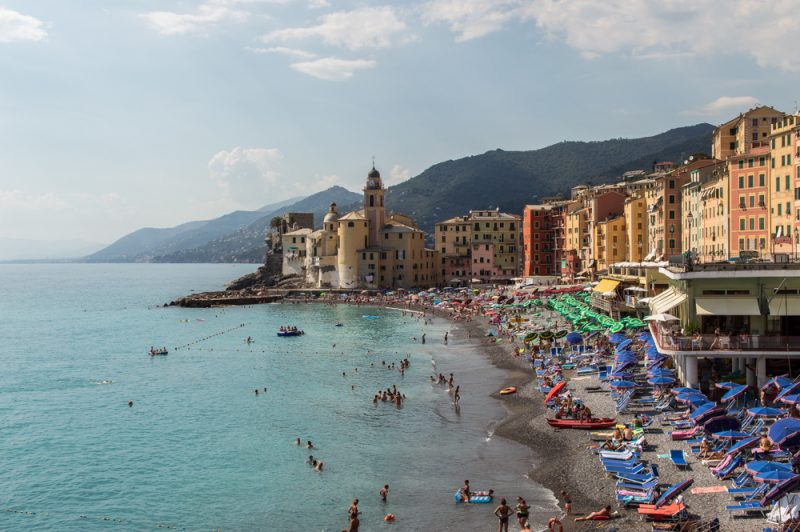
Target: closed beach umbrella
660 381
730 435
773 477
662 317
783 429
733 393
765 411
623 384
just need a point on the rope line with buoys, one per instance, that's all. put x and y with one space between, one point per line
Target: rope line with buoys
220 333
98 518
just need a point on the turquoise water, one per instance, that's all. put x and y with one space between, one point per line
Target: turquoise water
199 450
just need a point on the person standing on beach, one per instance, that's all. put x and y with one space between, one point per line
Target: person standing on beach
423 338
567 502
503 512
445 338
522 511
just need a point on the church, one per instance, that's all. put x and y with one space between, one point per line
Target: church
365 249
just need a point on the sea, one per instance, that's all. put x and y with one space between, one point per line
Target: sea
199 449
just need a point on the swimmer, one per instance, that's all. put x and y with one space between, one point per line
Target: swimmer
297 442
311 459
309 445
130 403
256 391
384 492
320 464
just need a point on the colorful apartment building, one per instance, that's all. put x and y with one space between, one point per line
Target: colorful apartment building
610 242
748 208
482 245
538 240
636 228
714 207
741 134
782 171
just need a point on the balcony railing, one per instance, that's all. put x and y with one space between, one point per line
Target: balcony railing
711 342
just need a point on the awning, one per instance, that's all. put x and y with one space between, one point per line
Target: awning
666 301
784 306
606 285
727 306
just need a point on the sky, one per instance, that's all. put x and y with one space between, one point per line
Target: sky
119 115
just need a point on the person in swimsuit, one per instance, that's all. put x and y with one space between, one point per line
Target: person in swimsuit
384 492
503 512
353 513
522 511
600 514
465 493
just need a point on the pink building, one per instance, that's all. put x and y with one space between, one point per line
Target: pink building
483 266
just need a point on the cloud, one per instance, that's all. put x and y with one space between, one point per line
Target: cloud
366 27
15 27
19 200
207 14
318 4
246 175
726 103
332 68
398 174
764 31
470 19
291 52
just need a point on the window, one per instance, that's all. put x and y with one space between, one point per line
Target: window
741 181
752 224
778 184
762 161
750 181
780 209
672 199
761 202
350 224
761 180
741 243
671 243
788 182
761 223
750 161
741 163
741 224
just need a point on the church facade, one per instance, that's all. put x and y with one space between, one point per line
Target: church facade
366 248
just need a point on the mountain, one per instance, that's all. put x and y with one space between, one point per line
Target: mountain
20 249
247 243
496 179
511 179
272 207
142 245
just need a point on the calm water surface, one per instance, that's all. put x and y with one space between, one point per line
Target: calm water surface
199 450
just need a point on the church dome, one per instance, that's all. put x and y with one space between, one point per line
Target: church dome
374 173
332 216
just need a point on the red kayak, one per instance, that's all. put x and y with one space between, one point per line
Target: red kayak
601 423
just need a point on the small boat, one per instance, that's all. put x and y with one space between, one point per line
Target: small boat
340 324
158 352
596 423
290 332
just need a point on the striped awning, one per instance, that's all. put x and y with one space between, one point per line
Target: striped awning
666 301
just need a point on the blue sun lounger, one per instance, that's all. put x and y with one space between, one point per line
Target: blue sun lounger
676 455
673 491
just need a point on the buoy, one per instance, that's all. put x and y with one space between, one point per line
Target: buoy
509 390
554 524
389 517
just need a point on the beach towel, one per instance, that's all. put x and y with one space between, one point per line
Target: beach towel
708 489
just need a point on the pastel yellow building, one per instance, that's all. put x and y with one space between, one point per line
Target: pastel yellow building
743 133
636 228
781 185
610 242
713 195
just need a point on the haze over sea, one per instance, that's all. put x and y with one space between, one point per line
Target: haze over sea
199 450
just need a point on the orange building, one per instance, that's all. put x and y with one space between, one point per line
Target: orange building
749 211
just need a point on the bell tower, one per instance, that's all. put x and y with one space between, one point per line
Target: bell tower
373 205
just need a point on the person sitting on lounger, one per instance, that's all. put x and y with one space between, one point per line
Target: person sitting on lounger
627 434
604 513
765 445
705 448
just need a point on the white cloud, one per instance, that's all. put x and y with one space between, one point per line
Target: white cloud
207 15
471 19
19 200
291 52
246 175
366 27
764 31
398 174
318 4
727 103
332 68
15 27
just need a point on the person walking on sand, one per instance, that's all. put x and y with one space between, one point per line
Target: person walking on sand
384 492
503 512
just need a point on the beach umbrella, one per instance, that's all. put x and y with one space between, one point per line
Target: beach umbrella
733 393
730 435
690 397
554 390
658 372
625 343
792 388
779 491
660 381
791 399
705 407
621 375
574 338
765 411
783 429
722 423
773 477
779 382
727 385
623 384
743 444
662 317
762 466
683 389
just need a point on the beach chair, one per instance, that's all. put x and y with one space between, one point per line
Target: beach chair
622 484
678 435
618 455
673 491
649 511
676 455
750 493
726 467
